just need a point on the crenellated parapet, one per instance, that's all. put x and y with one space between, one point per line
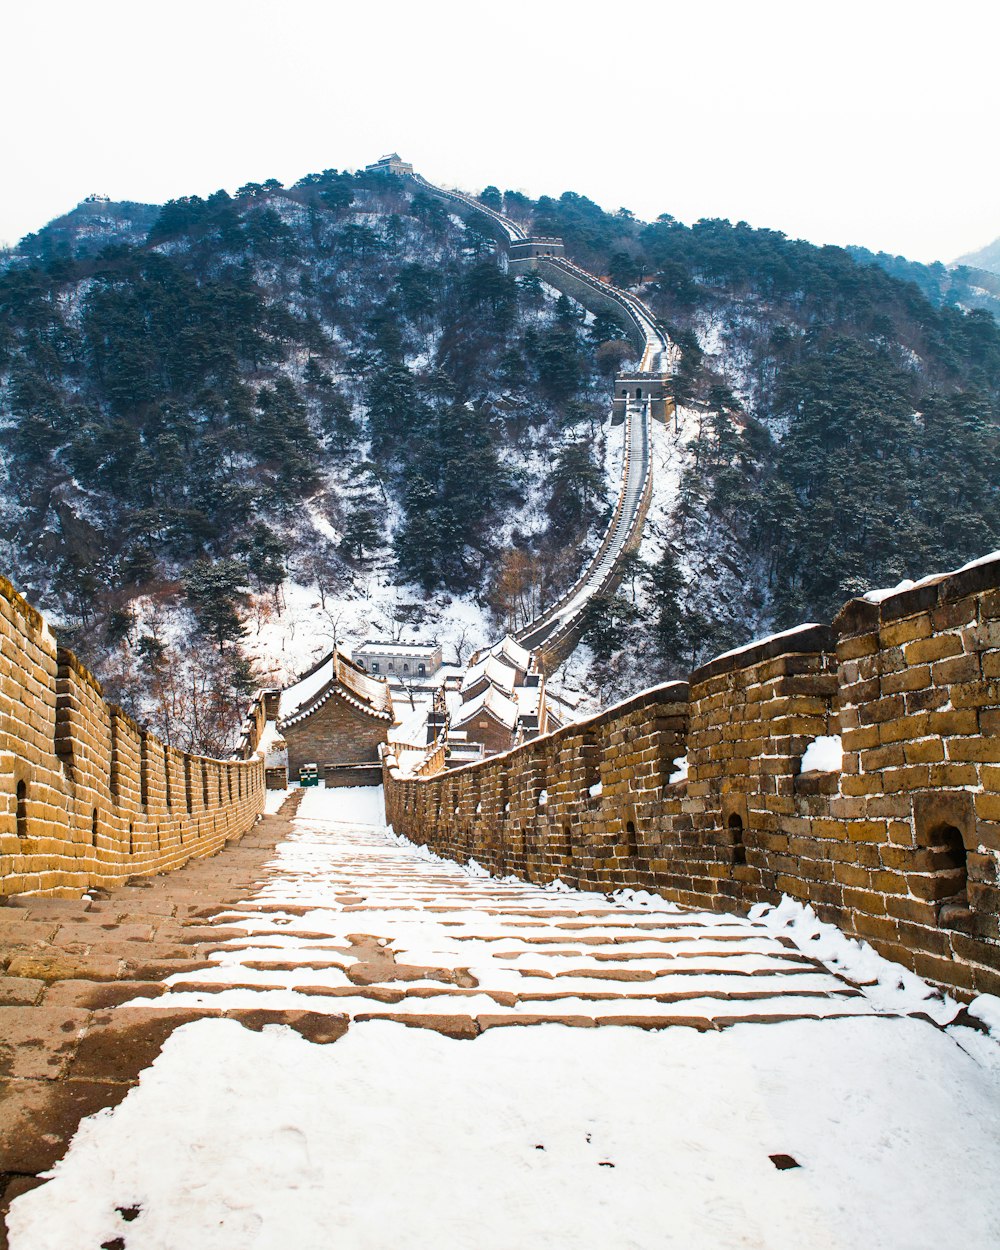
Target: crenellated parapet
697 791
87 796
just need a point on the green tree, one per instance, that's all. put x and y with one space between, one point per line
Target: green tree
216 590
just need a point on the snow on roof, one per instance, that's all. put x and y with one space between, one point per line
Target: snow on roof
529 699
375 647
299 693
512 652
352 683
412 729
370 689
501 675
493 701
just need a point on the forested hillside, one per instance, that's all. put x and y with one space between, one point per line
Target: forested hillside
246 402
285 385
841 431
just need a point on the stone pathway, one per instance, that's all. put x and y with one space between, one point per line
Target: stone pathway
324 922
347 921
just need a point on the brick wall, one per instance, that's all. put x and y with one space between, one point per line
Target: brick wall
87 798
337 732
900 847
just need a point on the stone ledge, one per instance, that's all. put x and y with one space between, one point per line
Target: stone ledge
814 639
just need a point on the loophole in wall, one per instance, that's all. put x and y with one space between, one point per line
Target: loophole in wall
22 809
736 839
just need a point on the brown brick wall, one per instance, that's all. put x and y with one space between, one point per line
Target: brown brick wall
913 686
336 733
84 790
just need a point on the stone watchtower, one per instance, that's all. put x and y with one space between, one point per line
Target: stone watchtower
391 164
640 388
522 254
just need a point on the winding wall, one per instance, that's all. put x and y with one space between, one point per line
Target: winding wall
900 847
557 630
87 797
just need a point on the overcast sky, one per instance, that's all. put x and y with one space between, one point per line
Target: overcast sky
869 122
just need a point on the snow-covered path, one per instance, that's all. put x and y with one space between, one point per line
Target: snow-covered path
469 1133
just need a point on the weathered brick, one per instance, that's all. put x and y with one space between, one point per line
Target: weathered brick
960 668
952 723
905 631
979 750
976 694
924 751
930 649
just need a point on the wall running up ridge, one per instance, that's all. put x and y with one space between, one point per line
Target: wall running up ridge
900 847
87 797
556 631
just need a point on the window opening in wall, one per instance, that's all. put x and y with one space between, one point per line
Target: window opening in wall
218 778
239 782
421 670
166 773
229 783
144 771
631 841
736 838
93 829
188 798
406 668
131 839
204 786
949 845
374 666
590 752
115 758
22 810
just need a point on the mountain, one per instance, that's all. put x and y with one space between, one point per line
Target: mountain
275 397
327 411
958 285
987 257
85 230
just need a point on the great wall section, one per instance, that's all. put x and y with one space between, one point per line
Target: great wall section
608 873
87 797
640 396
901 846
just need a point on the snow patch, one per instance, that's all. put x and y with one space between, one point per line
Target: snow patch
889 986
824 755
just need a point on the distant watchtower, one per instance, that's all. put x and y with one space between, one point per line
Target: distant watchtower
641 388
522 253
390 164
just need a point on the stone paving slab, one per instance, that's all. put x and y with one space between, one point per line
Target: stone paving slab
38 1042
38 1118
20 991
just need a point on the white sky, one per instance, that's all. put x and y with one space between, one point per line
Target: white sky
868 122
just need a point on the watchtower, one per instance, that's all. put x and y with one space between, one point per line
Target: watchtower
523 253
639 388
390 164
